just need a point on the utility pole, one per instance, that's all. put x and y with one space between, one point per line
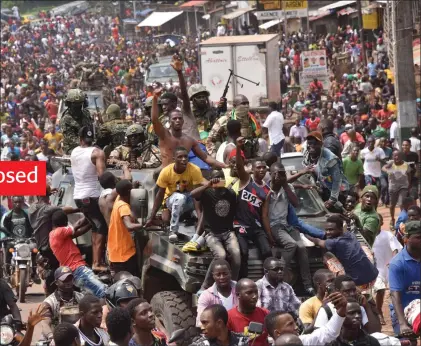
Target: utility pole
404 69
360 24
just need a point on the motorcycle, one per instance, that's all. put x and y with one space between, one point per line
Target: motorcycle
19 271
10 334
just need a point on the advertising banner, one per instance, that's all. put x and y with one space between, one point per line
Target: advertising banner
314 60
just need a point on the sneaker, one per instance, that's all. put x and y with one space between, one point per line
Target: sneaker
173 237
190 246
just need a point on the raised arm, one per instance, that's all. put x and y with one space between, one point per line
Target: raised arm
157 125
197 192
239 161
206 158
177 65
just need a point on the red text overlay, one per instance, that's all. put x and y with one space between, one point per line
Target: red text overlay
23 178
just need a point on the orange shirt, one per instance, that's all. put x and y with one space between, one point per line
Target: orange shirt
120 244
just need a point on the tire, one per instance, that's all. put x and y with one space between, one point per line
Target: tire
22 284
173 309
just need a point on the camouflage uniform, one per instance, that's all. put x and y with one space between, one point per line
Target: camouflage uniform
133 155
217 135
70 124
114 129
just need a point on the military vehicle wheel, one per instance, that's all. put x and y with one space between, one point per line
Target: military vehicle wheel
174 311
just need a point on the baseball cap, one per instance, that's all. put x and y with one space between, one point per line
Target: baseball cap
86 132
316 135
62 273
370 189
412 227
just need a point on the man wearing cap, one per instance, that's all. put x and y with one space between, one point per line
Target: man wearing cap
365 214
327 169
88 163
62 300
405 277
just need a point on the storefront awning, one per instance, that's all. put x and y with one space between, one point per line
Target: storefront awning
319 16
159 18
346 11
236 13
337 4
196 3
268 25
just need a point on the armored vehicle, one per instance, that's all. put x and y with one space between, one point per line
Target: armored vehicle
170 277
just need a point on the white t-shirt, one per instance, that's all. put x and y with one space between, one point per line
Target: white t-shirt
274 123
415 144
322 318
227 302
383 247
42 157
394 130
371 165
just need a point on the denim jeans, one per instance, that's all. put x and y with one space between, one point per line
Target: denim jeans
223 245
394 318
276 148
85 279
178 203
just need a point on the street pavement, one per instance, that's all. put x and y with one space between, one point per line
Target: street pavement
35 294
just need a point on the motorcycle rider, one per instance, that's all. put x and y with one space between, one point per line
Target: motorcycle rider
8 302
74 118
59 304
132 151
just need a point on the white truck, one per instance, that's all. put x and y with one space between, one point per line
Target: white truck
255 57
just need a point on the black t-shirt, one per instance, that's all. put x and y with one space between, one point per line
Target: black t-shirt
219 206
6 295
411 157
40 217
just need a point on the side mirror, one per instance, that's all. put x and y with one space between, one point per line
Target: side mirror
177 335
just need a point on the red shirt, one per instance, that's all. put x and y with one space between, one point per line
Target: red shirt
238 323
66 252
385 115
312 124
39 134
316 86
297 60
52 108
345 138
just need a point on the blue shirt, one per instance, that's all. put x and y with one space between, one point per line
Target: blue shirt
355 262
402 218
405 277
372 69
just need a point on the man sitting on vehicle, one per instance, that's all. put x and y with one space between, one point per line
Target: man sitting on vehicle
275 218
274 293
327 169
248 219
247 311
68 254
221 292
175 183
62 305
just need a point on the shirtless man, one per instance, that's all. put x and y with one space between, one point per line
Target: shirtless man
108 196
169 139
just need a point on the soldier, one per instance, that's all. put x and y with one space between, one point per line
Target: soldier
203 112
132 152
107 94
250 127
114 129
73 119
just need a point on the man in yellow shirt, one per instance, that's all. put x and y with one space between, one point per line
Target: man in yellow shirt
121 247
391 107
322 279
53 138
175 183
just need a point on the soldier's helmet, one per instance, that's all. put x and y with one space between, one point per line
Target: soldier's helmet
113 112
75 96
134 129
196 89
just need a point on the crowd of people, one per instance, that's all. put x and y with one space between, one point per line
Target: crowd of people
214 165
